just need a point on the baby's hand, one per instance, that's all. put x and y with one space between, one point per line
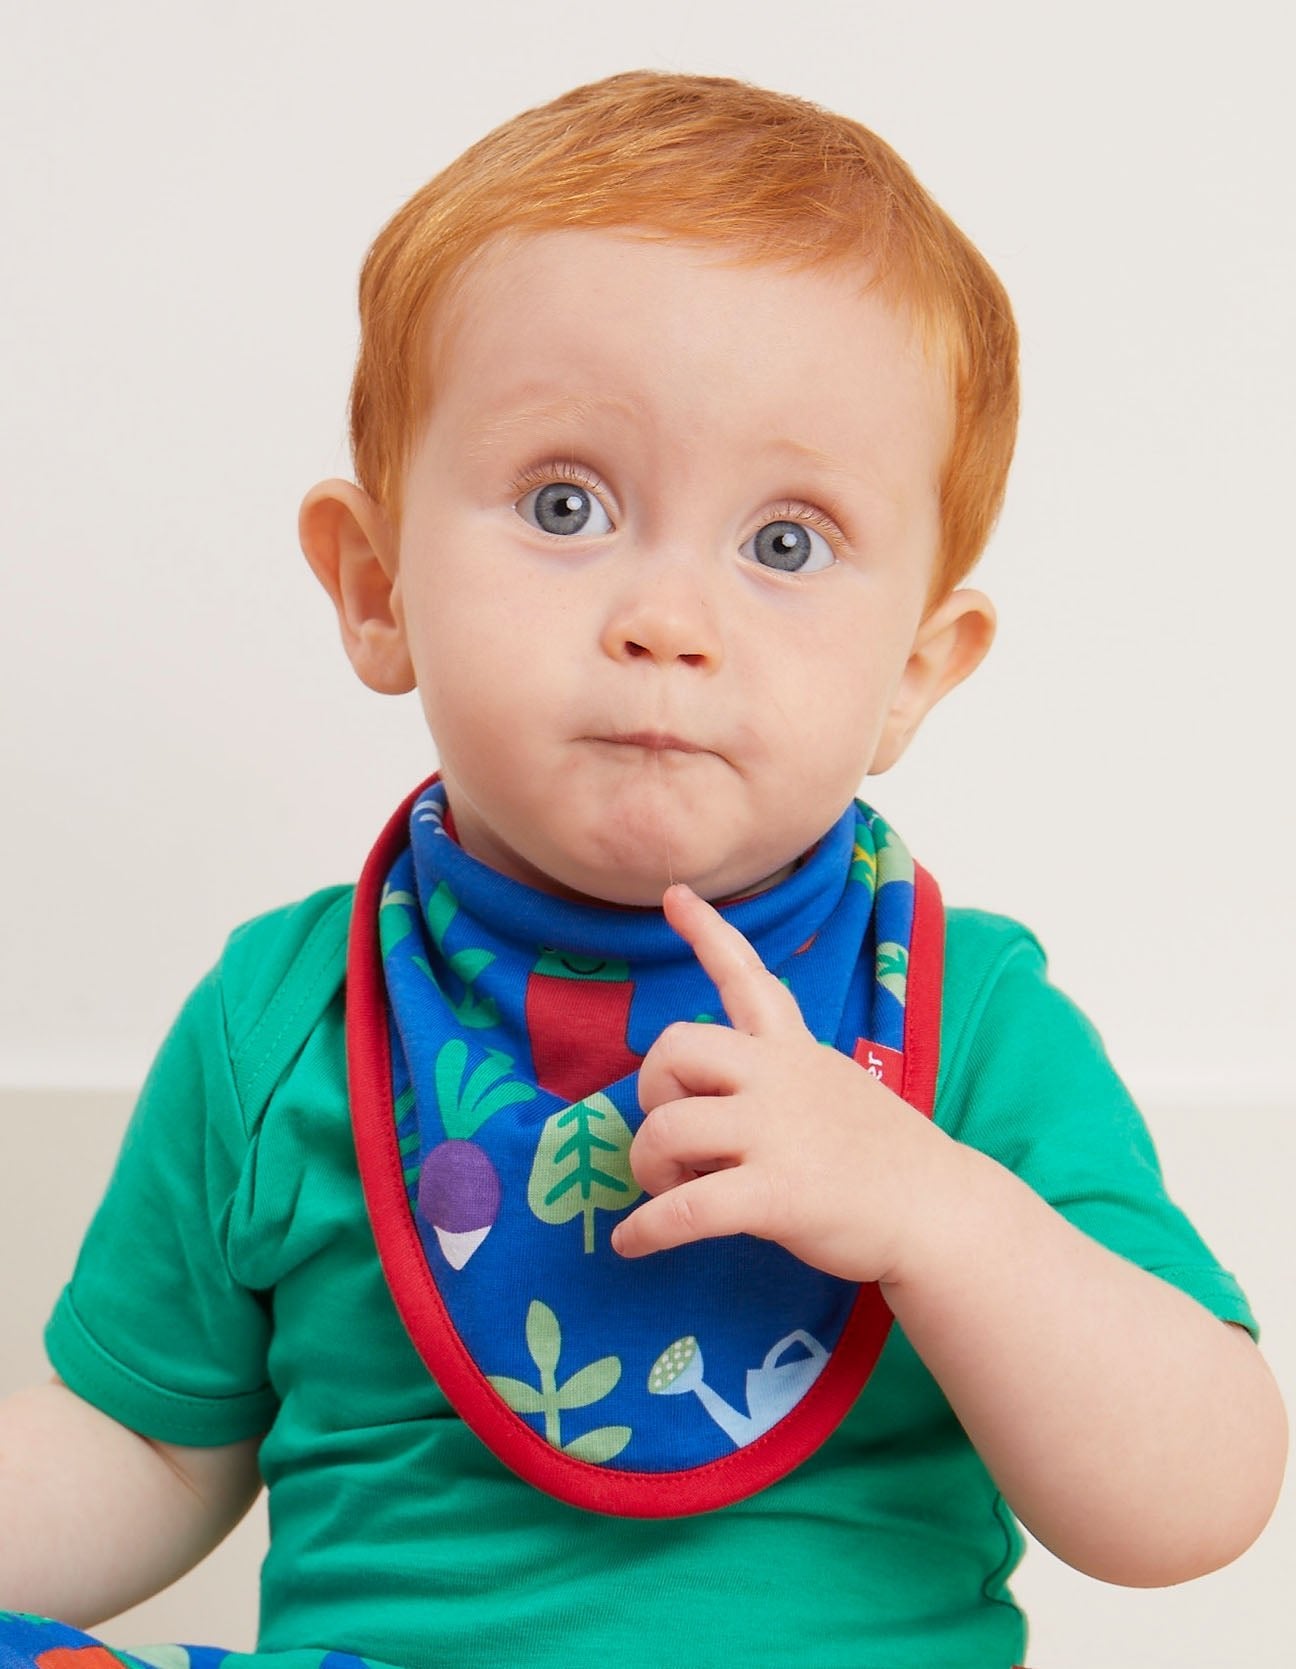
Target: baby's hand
761 1130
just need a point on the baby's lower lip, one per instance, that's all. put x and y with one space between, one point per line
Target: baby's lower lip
654 741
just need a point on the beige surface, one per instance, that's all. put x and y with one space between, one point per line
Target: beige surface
1243 1614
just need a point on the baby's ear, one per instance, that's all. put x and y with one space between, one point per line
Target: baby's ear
348 541
950 644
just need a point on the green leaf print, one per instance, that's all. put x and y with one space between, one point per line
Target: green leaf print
473 1012
464 1107
479 1013
863 858
582 1165
441 911
599 1446
394 919
543 1337
893 857
154 1657
893 969
588 1385
468 964
521 1397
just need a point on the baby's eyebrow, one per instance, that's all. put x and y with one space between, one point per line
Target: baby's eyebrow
570 409
493 431
799 452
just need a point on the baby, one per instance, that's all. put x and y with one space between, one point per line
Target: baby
531 1219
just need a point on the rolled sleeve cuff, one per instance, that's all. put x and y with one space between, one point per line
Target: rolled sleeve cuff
170 1416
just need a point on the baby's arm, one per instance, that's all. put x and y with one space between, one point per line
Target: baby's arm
1136 1435
95 1518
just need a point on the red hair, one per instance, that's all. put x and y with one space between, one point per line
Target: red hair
709 160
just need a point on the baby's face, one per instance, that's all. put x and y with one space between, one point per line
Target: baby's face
665 545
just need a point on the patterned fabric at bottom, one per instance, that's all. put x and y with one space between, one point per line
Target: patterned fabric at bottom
28 1642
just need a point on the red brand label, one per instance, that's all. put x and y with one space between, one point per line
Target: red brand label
886 1065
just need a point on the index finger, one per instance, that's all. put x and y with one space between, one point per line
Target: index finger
753 998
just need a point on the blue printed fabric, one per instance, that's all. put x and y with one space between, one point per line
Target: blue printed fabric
30 1642
517 1023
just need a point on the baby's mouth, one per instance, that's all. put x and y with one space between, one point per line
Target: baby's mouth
653 741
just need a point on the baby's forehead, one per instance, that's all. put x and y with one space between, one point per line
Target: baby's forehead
674 361
502 264
495 288
768 174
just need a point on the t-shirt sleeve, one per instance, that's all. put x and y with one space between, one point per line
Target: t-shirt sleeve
1025 1078
152 1328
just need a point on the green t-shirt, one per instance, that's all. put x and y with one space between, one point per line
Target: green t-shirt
228 1286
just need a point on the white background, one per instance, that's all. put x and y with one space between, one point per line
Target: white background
188 190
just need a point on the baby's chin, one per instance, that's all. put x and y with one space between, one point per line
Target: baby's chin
624 853
638 881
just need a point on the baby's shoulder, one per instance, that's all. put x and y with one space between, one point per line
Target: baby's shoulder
278 973
980 945
995 977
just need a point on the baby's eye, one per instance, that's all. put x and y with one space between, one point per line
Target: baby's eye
790 547
564 508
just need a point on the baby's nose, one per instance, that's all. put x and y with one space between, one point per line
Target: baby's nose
667 618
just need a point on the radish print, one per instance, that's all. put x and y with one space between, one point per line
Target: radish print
459 1187
459 1197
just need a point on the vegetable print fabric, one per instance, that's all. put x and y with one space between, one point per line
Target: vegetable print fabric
31 1642
517 1023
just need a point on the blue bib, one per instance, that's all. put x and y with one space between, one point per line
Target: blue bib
494 1037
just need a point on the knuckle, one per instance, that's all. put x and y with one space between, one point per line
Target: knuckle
684 1214
651 1148
650 1082
675 1037
641 1166
658 1130
775 1201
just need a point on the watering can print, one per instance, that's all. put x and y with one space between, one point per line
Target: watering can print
773 1389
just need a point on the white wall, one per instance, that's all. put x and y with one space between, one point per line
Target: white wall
187 194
